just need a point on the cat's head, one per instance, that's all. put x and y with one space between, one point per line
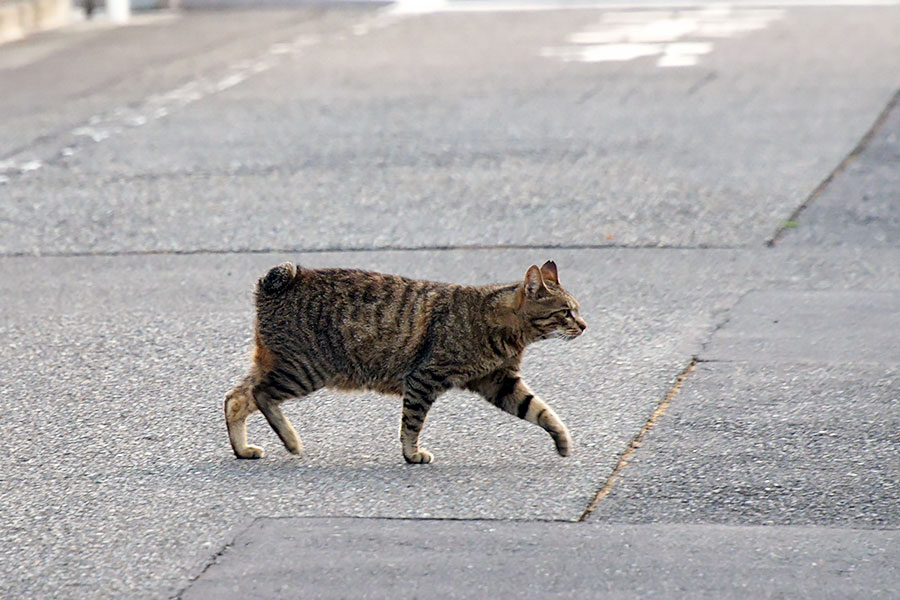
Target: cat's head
547 309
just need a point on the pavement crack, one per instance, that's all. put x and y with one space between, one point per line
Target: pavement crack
238 532
638 440
728 312
376 517
863 143
708 78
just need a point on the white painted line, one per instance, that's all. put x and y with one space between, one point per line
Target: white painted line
32 165
603 52
227 82
683 54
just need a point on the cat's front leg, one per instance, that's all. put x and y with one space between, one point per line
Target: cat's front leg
540 413
419 392
507 391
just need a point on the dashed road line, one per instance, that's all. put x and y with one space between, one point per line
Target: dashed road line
107 125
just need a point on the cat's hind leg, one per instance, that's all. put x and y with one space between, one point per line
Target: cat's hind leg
507 391
287 380
239 404
268 406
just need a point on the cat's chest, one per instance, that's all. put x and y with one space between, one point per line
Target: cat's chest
491 364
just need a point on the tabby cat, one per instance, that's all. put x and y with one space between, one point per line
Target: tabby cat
349 329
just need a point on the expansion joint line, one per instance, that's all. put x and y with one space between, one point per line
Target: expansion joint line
857 150
350 249
638 440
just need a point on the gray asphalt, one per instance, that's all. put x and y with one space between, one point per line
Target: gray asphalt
445 146
597 149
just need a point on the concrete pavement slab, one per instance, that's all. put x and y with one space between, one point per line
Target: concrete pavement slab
821 327
744 443
799 425
342 558
121 479
860 207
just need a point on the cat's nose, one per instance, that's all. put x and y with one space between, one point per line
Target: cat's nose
581 324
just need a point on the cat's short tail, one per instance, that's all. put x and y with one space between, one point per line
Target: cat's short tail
276 280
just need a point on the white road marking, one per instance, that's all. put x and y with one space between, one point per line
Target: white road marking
683 54
620 36
603 52
104 126
32 165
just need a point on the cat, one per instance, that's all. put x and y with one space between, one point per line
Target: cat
348 329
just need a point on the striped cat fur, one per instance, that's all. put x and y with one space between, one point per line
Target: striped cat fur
347 329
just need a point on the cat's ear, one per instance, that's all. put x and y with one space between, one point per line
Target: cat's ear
534 282
549 273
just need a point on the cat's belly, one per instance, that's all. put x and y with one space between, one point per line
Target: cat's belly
342 382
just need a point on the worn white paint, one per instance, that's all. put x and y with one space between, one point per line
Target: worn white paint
678 37
603 52
101 127
31 165
683 54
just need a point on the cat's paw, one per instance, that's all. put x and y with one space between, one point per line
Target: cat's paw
251 452
563 443
294 446
419 457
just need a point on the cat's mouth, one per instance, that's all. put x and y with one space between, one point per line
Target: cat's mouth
567 335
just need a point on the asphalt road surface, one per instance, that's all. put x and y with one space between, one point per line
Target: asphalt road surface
719 185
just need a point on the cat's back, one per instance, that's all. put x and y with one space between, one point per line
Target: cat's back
367 311
336 287
366 328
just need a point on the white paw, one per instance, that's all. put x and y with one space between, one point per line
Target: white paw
252 452
419 457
